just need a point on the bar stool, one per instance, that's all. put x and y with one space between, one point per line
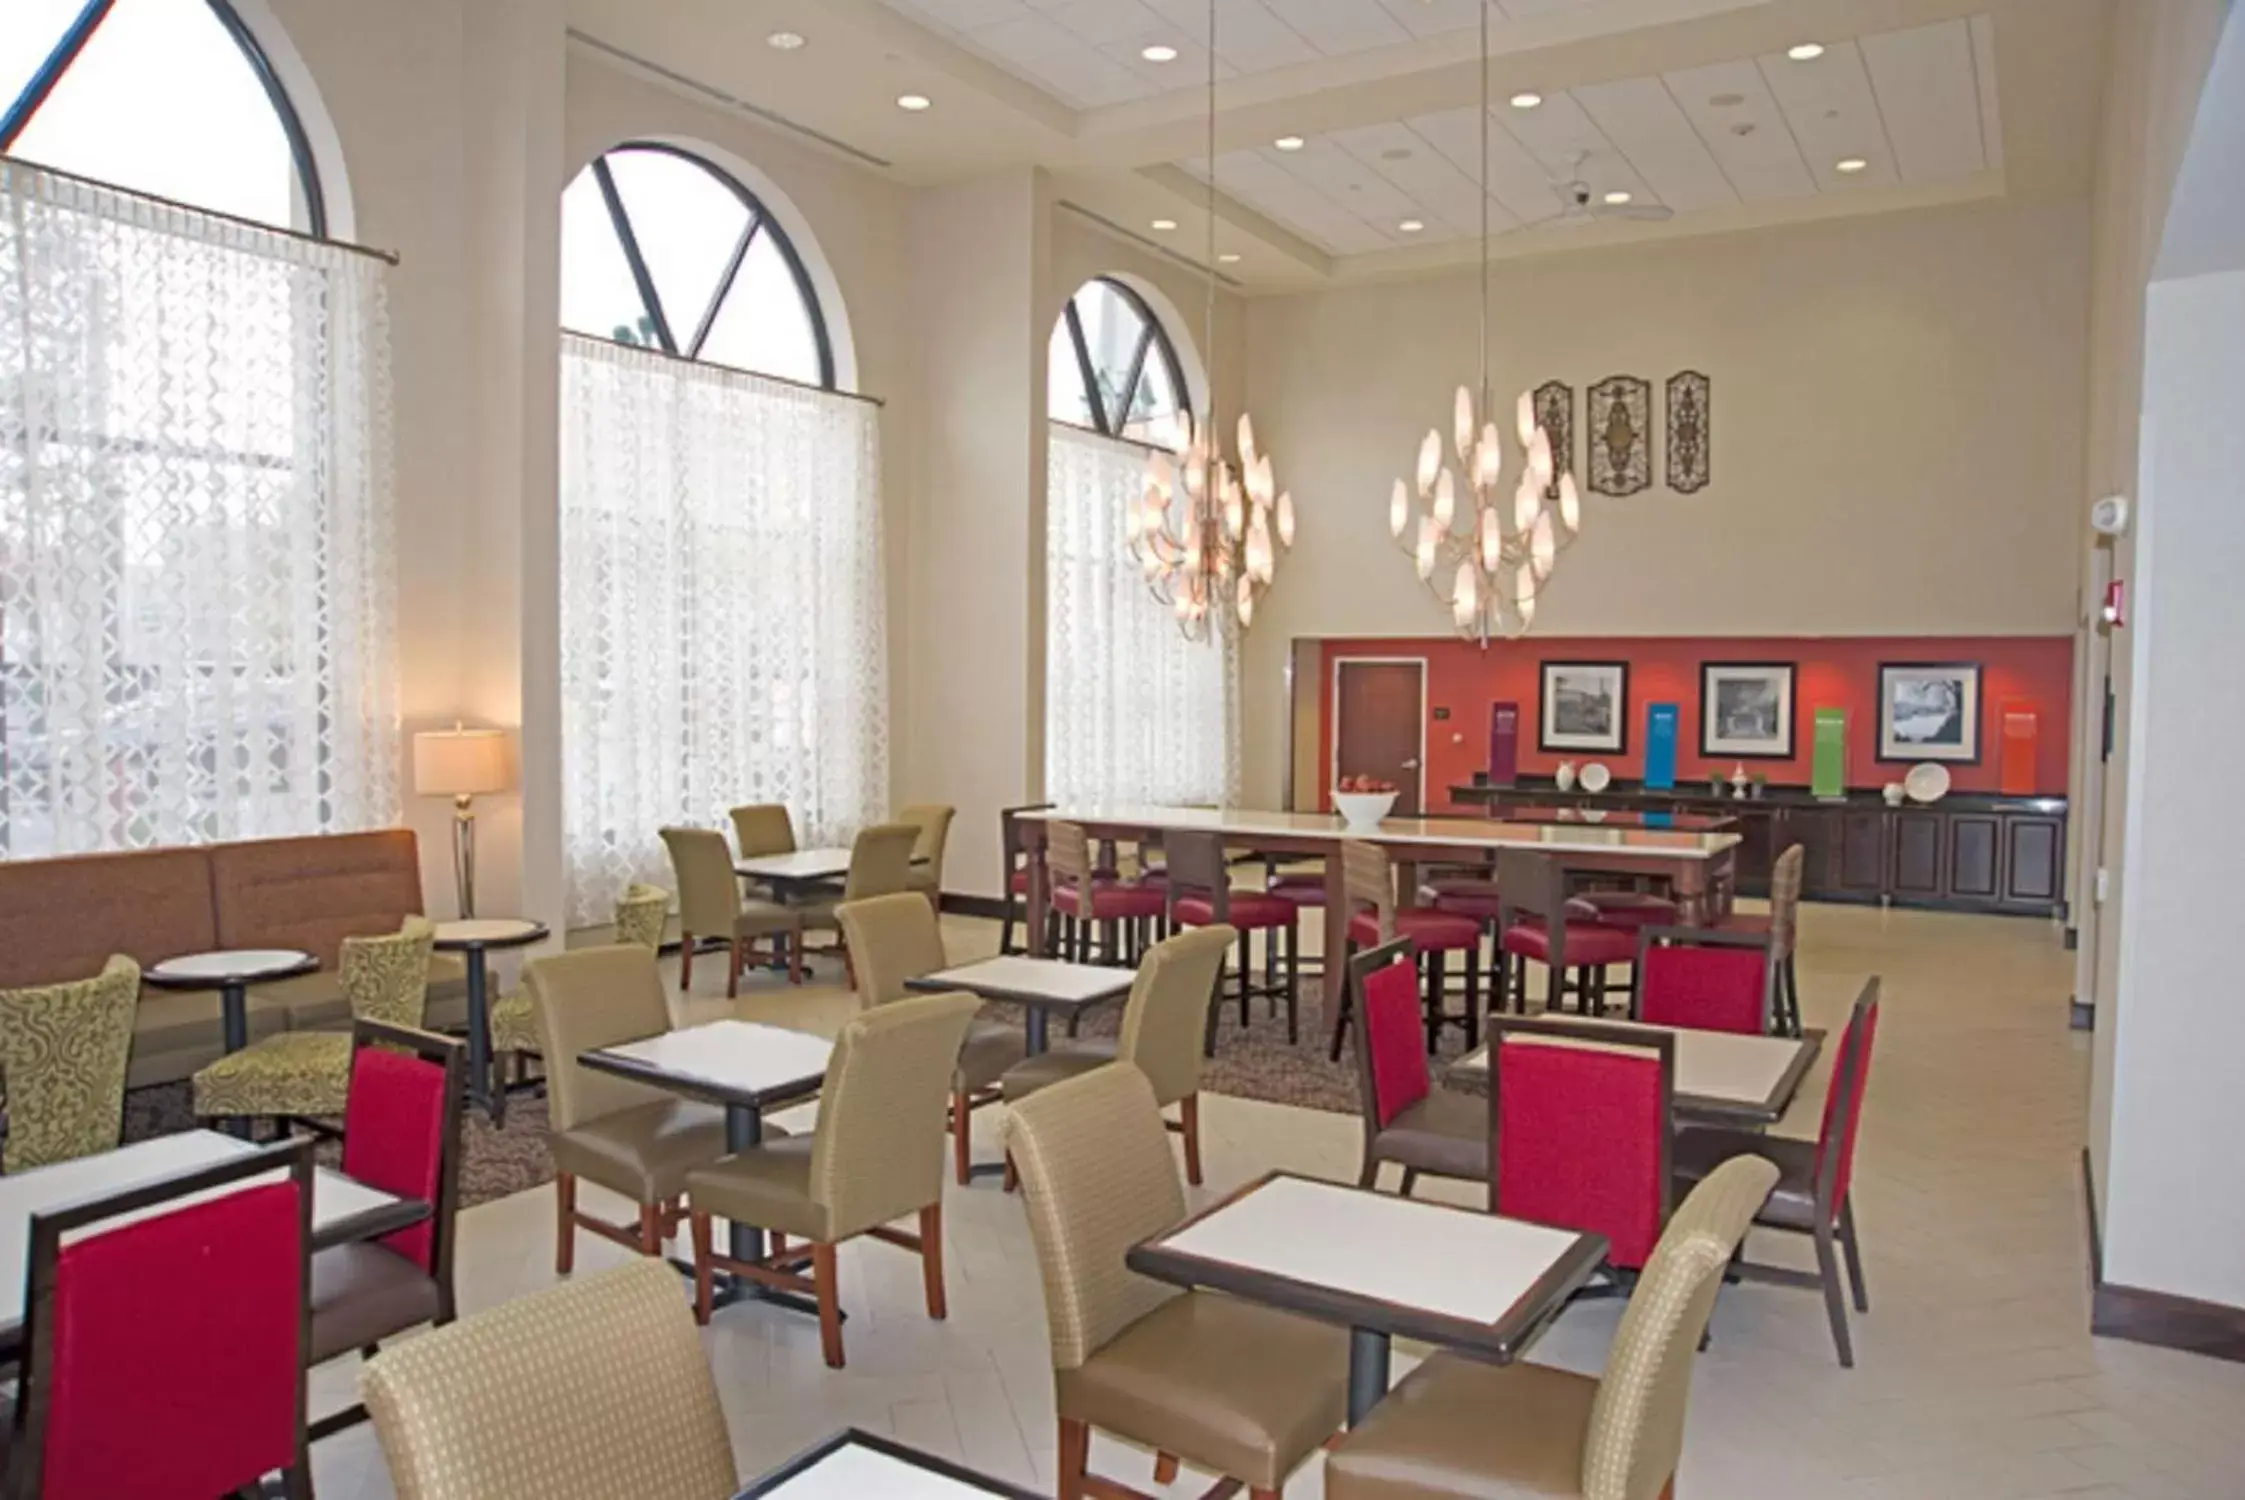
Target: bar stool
1013 840
1535 923
1369 881
1200 894
1122 913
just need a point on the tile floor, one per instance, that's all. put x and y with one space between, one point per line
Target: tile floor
1975 1379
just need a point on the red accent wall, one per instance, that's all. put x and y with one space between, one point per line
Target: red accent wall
1833 673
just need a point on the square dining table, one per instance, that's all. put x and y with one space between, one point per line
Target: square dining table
1042 987
856 1465
344 1210
744 1067
799 868
1722 1077
1381 1266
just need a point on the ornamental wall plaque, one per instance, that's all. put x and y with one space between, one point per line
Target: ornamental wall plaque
1620 438
1689 436
1555 414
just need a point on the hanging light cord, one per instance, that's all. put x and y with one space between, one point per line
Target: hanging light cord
1208 330
1487 406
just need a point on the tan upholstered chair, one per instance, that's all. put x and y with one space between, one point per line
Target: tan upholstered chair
307 1074
710 905
630 1138
880 865
895 939
642 912
1234 1389
1456 1427
934 823
763 828
580 1392
63 1052
877 1155
1163 1025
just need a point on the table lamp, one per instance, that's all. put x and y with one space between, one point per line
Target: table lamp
459 763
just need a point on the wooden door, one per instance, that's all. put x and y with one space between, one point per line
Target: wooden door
1379 709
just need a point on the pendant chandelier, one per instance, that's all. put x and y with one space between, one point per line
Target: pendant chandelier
1208 527
1485 559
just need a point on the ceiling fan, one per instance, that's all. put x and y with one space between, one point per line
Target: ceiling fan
1584 204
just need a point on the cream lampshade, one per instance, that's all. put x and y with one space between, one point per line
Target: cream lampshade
460 763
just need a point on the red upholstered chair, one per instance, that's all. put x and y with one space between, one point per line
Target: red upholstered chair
401 1133
106 1409
1407 1119
1704 979
1534 925
1013 839
1579 1129
1813 1177
1119 913
1376 918
1198 886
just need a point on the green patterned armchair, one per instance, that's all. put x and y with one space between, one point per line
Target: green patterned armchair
64 1048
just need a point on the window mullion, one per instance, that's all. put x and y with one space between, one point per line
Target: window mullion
49 73
1130 386
724 285
1084 370
652 302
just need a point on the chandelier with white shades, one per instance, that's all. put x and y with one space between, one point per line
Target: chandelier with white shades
1484 557
1208 527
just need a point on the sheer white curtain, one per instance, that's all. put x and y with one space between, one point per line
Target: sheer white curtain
197 550
1134 712
721 609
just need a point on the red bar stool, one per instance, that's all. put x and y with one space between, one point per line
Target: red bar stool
1013 838
1534 923
1376 918
1122 913
1630 910
1200 894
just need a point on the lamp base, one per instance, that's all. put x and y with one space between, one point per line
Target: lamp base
464 853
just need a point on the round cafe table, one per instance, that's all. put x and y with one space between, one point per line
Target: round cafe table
473 937
230 971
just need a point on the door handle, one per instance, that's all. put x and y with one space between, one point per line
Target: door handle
1411 764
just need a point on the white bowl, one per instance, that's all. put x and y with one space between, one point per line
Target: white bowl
1363 809
1596 776
1927 781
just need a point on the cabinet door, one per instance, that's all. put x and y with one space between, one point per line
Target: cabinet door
1975 856
1917 854
1815 829
2035 863
1862 861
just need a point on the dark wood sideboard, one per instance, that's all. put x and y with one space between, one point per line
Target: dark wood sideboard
1967 852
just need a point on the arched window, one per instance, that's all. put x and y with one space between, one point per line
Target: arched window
1111 368
167 97
660 248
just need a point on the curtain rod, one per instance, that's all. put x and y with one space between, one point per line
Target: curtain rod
1110 437
388 257
711 364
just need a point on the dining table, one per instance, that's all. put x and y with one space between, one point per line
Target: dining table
1382 1267
1040 987
1722 1077
799 871
858 1465
1697 865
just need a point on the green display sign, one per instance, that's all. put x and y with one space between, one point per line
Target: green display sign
1829 774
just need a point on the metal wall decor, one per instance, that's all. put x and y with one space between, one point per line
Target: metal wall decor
1555 414
1620 440
1689 407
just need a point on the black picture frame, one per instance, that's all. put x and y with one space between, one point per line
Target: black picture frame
1781 746
1613 741
1903 745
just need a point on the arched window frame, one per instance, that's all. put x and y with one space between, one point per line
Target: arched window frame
1153 340
761 220
73 41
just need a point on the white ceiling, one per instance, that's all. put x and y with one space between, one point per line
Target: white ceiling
1917 105
1086 52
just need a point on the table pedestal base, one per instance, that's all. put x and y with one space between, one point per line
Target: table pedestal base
1368 1372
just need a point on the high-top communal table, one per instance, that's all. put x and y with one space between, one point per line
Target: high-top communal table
1695 864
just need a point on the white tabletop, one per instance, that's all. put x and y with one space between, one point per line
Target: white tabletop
335 1198
1399 832
1451 1262
856 1472
738 1057
1726 1066
1034 981
487 930
229 964
802 864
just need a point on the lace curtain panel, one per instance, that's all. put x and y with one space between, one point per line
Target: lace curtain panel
1134 712
197 544
722 619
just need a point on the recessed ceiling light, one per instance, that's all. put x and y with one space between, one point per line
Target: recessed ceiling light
1853 165
1526 100
913 102
1412 226
1617 198
1288 143
1805 51
1165 225
784 41
1229 257
1158 52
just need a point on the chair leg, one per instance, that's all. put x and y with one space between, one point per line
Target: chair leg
962 1144
565 1223
1293 982
650 1229
931 1259
1473 997
685 959
1435 962
1075 1455
1005 924
1215 1013
795 957
1165 1468
1246 975
733 970
829 1304
1854 1254
1368 1176
1337 994
704 1291
1410 1180
1835 1300
1188 1110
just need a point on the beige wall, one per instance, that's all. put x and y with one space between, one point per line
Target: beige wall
1886 397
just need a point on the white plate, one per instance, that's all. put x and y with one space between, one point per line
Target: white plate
1596 777
1927 781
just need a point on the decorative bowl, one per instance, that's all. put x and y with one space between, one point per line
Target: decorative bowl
1363 810
1596 777
1927 781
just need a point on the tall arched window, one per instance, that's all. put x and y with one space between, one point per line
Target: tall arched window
1112 368
173 98
662 249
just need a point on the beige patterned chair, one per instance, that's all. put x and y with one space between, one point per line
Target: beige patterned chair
304 1075
628 1137
710 905
895 939
880 865
1456 1427
876 1156
642 912
1231 1388
580 1392
762 828
63 1053
934 822
1163 1024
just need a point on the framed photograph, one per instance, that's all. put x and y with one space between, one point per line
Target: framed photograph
1585 706
1746 710
1929 711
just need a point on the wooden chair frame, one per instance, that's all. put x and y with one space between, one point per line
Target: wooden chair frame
1709 937
1197 865
1014 847
781 1269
